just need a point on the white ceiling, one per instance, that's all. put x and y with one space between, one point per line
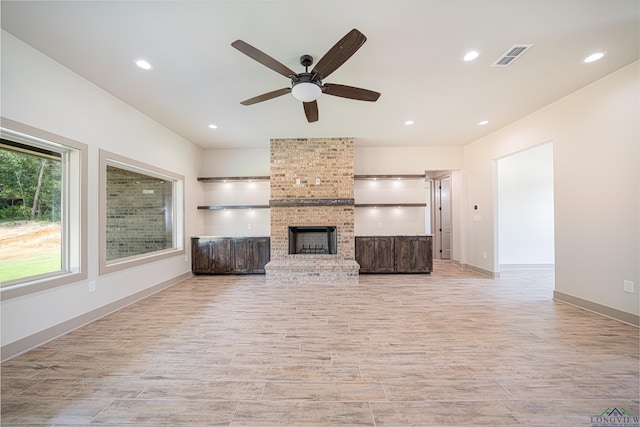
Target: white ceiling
413 56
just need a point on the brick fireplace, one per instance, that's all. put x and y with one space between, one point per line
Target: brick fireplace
312 189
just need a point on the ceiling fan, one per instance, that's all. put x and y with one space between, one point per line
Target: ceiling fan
308 86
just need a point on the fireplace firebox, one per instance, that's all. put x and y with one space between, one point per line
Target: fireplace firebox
313 240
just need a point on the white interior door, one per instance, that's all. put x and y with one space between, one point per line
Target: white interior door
445 217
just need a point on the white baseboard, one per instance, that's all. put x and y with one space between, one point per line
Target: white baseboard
491 274
600 309
511 267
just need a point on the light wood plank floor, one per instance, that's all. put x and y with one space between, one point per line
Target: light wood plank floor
451 348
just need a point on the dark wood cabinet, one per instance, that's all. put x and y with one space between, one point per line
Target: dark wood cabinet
200 259
210 255
413 254
394 254
250 254
226 255
375 254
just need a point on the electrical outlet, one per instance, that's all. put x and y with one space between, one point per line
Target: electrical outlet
628 286
249 227
484 255
92 286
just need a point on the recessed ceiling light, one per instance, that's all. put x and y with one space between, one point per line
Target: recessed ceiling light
408 122
483 122
593 57
143 64
212 126
470 56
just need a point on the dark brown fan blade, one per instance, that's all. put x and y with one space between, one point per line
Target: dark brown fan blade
338 54
351 92
262 58
266 96
311 111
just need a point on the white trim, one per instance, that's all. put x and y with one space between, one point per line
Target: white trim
74 217
106 267
594 307
517 267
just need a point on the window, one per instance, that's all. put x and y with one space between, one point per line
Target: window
42 210
141 212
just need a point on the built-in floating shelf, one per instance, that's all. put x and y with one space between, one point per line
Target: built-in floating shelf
234 178
389 177
390 205
224 207
357 205
267 178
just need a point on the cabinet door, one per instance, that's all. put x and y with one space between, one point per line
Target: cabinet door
427 267
413 254
384 254
200 256
241 259
221 256
375 254
250 255
261 254
365 254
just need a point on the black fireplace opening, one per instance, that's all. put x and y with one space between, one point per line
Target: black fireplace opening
313 240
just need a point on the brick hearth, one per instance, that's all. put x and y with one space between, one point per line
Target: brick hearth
312 185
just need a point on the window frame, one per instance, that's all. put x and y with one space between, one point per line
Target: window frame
112 159
73 206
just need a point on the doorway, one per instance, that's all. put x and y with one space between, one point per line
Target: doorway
525 220
441 193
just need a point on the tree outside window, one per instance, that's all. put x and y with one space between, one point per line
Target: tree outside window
30 211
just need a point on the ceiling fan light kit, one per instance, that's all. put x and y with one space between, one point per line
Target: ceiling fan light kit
306 91
307 86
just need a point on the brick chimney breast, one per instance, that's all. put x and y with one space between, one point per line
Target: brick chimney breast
312 185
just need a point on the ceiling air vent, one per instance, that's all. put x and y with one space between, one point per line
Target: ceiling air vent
513 53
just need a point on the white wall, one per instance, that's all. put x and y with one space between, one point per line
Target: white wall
525 207
457 209
408 160
41 93
237 222
595 134
236 162
367 160
374 221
